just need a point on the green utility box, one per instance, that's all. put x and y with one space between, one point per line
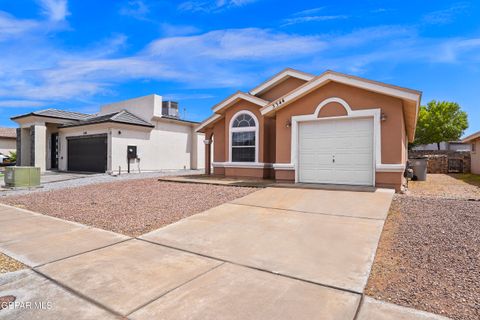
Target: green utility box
22 177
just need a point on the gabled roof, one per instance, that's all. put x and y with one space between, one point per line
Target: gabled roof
123 117
8 133
471 137
232 99
55 113
239 95
329 76
280 77
410 97
210 120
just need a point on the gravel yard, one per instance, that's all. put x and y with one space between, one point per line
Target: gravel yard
128 207
455 186
8 264
429 256
61 180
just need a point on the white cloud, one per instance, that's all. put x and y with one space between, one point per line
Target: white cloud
135 8
230 58
22 103
12 27
55 10
309 12
236 44
297 20
173 30
212 5
311 15
445 16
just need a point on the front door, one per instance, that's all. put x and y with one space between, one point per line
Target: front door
54 151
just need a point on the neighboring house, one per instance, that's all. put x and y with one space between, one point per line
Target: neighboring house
446 146
333 129
71 141
8 140
474 141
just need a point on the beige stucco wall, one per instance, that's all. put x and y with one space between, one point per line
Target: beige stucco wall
7 145
144 107
168 146
475 166
80 131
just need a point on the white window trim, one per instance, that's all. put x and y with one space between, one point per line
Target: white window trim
391 167
241 165
374 113
283 166
231 130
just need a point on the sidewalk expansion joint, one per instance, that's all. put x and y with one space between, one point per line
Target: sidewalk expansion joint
308 212
253 268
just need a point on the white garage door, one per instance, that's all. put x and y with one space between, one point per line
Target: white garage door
336 151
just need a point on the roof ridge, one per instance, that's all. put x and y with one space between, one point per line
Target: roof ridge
55 109
129 113
300 75
96 115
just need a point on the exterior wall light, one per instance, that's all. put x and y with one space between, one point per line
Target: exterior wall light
383 117
288 124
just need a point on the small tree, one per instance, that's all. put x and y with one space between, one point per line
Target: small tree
12 156
440 121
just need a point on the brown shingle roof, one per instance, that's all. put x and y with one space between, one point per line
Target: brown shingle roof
8 132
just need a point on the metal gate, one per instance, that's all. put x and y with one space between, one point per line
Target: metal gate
455 165
87 153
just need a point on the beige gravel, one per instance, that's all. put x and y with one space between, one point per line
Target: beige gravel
129 207
457 186
429 257
8 264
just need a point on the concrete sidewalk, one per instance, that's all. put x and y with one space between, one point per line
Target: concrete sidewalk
305 258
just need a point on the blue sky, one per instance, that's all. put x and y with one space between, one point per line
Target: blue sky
77 55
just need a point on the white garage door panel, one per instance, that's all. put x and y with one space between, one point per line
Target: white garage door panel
348 141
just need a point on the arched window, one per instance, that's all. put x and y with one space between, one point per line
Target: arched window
243 137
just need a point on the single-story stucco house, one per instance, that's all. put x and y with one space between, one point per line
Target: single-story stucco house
474 140
8 140
332 128
143 134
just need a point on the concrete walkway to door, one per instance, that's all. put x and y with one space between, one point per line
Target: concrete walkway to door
274 254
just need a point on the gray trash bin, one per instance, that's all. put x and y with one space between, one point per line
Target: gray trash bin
419 166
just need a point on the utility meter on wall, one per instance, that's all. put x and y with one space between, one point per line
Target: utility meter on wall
132 152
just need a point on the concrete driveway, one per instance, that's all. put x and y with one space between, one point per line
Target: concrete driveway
325 237
275 254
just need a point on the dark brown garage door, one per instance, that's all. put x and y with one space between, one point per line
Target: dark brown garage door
87 153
